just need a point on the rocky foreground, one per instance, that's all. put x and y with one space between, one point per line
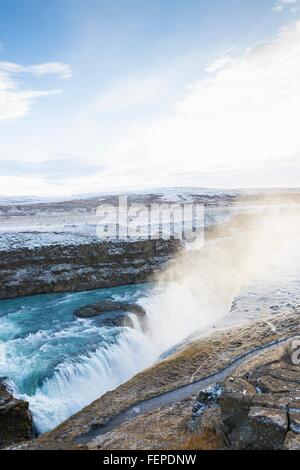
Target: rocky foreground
15 418
255 406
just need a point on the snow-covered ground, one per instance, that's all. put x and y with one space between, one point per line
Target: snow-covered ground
32 221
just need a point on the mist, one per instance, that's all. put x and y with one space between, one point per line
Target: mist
200 284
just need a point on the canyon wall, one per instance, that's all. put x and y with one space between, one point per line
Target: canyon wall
79 267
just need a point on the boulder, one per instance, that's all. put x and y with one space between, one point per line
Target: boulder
206 413
260 410
292 441
290 375
267 400
109 306
235 402
117 320
269 427
269 384
15 418
294 418
294 404
112 313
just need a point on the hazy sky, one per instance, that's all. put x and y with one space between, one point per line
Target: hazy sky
99 95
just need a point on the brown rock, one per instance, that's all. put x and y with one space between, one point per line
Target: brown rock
294 418
269 428
15 418
294 404
271 384
290 375
235 403
236 399
109 306
267 400
292 441
85 265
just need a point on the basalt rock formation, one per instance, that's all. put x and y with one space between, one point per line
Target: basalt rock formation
86 266
106 306
112 313
15 418
257 409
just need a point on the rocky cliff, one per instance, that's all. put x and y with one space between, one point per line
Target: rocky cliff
257 408
15 418
59 267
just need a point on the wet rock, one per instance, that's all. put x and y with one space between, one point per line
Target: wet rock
109 306
15 418
113 314
118 319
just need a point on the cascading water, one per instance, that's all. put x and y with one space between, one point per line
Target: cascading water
60 363
75 384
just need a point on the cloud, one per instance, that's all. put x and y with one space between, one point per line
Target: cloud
59 69
246 110
221 62
236 126
130 94
284 4
218 64
55 169
16 102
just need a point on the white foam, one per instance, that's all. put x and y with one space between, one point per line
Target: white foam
76 383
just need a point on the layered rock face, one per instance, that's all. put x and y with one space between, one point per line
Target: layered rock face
15 418
259 410
58 268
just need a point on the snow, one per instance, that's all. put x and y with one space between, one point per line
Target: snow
31 222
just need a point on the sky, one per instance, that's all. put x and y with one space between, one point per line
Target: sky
108 95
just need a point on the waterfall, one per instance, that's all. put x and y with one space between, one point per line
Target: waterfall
76 383
68 362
